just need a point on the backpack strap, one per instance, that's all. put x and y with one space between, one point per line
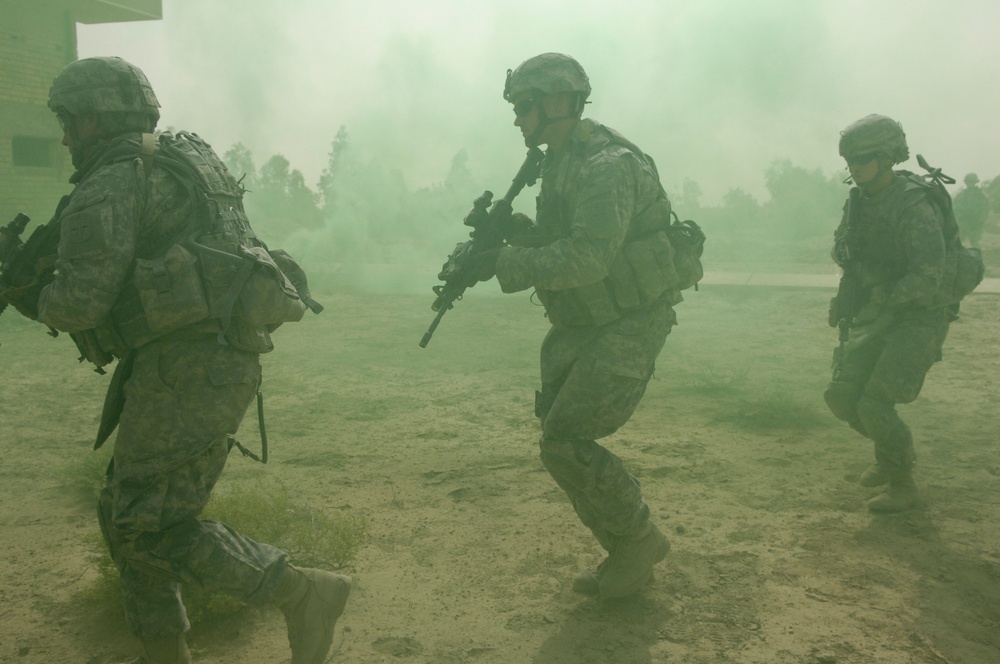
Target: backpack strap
146 149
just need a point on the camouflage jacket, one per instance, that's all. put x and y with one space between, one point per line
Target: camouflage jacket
971 207
900 247
589 196
115 215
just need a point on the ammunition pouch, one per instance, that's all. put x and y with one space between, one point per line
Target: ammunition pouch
245 284
170 290
640 274
643 272
92 349
213 285
583 306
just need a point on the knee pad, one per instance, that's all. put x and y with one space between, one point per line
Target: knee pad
842 399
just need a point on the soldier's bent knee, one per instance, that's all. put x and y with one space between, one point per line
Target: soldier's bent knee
568 461
842 399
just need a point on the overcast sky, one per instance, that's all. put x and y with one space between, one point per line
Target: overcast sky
714 90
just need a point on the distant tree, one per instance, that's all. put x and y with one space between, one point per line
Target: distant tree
280 203
335 163
689 200
361 203
803 203
240 163
460 178
740 211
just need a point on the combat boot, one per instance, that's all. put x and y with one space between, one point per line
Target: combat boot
875 475
588 582
629 568
311 600
168 650
901 494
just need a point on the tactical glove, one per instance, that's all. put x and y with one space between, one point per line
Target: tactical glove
485 264
517 226
25 299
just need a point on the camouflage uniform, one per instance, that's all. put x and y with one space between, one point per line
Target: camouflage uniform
597 358
902 258
184 395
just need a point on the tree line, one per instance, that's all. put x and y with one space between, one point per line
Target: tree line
362 211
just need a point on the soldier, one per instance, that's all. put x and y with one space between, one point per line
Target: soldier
600 266
971 209
896 242
184 391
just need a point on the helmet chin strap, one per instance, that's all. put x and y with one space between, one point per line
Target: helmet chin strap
81 149
879 176
544 121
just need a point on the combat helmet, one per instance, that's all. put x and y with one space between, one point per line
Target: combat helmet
971 180
103 85
547 74
875 134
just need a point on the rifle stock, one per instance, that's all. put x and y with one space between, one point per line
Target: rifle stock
488 219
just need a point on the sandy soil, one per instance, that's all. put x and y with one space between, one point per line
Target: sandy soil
472 547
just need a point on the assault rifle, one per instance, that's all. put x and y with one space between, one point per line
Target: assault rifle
491 227
10 246
26 267
848 301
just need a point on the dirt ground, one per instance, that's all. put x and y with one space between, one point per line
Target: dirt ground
472 547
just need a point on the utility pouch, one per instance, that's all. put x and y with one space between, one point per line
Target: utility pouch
652 262
688 241
268 298
170 290
969 271
218 255
543 403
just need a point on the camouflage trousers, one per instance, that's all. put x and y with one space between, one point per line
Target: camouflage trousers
182 401
887 370
592 381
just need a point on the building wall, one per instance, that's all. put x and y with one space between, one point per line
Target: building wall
36 41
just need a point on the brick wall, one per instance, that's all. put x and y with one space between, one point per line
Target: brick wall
36 41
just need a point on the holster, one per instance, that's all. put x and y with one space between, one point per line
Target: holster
114 401
543 402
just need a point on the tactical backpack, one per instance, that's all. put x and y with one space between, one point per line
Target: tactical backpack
217 275
687 240
969 268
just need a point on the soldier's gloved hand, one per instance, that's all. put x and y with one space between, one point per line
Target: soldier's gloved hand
841 251
484 264
517 225
25 299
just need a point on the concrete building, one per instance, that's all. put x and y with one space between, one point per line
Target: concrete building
37 39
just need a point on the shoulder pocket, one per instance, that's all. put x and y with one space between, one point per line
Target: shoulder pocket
82 227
